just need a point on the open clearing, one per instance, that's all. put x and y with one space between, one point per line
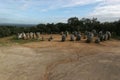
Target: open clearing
57 60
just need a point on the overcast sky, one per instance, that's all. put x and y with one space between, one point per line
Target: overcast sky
48 11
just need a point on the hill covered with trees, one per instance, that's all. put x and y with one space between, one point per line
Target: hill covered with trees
73 24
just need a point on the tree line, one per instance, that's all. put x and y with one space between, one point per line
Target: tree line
73 24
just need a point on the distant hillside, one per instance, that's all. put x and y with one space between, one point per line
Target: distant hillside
18 25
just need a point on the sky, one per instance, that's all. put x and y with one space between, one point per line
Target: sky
53 11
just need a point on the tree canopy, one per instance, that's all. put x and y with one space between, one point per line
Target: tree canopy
73 24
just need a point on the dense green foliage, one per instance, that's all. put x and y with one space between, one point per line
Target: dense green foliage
73 24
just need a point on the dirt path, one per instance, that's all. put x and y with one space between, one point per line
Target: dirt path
60 61
21 63
105 66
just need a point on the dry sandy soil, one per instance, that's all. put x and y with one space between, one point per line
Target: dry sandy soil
57 60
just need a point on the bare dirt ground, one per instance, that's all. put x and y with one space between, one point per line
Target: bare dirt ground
57 60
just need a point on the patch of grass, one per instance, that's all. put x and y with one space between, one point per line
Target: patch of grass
5 41
13 40
21 41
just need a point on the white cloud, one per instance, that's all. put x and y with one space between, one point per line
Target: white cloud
107 10
46 5
55 4
73 3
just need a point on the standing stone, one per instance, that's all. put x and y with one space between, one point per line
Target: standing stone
34 36
72 37
66 33
109 34
78 37
63 38
19 35
85 35
89 37
24 36
31 35
75 33
38 35
27 36
100 33
94 32
101 36
106 37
